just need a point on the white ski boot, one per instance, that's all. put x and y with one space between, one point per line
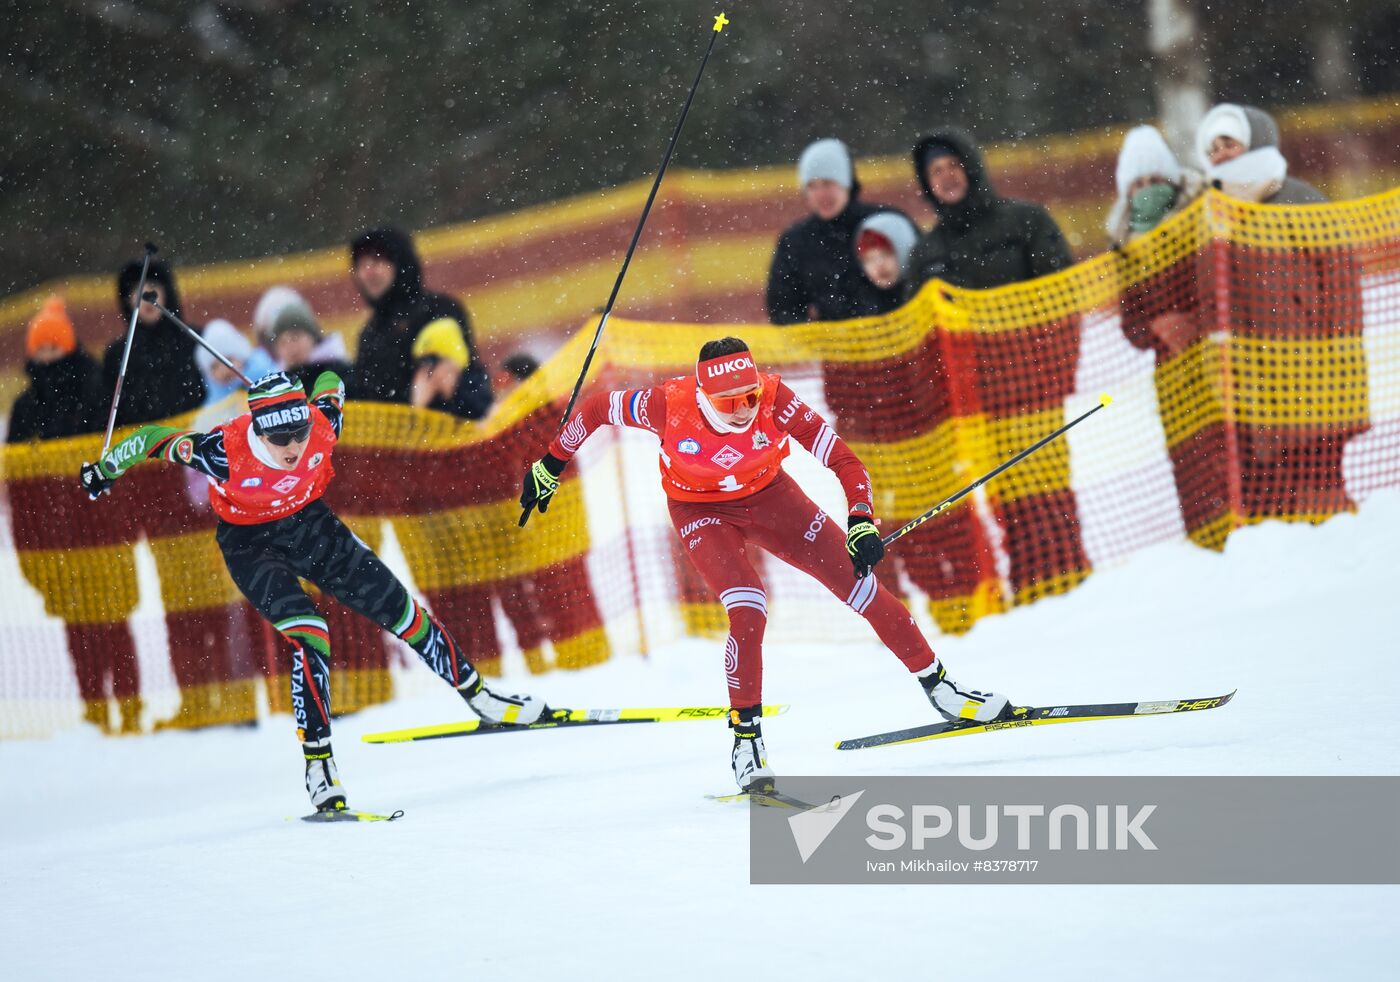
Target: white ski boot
322 779
496 708
954 703
749 758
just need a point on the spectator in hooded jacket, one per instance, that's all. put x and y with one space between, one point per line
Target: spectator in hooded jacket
1020 379
1152 185
389 275
65 396
162 378
814 275
982 239
883 243
1238 146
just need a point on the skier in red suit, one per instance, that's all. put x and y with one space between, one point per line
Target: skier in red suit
724 433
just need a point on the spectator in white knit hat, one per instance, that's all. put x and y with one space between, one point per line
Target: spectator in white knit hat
814 275
1238 145
229 341
883 243
1152 185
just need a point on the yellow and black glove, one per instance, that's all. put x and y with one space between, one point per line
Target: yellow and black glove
541 481
864 544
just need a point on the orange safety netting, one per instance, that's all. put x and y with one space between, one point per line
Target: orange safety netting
1253 354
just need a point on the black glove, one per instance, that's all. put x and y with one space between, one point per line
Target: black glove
94 481
541 481
864 544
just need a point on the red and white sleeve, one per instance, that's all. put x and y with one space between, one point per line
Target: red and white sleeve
643 409
809 429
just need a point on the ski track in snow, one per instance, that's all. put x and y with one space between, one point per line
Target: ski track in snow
595 853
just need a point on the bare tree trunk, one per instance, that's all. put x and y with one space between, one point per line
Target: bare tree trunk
1334 67
1180 74
1334 70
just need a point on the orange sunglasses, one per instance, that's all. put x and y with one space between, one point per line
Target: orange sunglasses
732 404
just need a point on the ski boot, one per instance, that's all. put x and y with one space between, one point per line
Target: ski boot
954 703
749 757
322 779
496 708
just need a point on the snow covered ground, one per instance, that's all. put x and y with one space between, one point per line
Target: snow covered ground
595 854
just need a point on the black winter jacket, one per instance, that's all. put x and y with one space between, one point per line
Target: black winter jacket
984 240
384 359
162 378
64 398
814 274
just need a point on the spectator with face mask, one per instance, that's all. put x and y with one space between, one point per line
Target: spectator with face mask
1152 185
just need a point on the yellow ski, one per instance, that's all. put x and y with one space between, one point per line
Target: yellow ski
559 719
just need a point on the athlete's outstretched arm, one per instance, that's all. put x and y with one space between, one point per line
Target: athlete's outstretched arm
643 409
203 452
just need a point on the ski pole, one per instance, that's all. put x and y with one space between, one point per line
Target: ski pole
948 502
150 298
720 22
151 250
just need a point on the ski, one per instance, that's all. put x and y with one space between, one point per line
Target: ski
560 719
349 815
771 798
1037 716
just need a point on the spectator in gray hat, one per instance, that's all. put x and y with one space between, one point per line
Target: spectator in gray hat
814 274
298 344
1238 146
883 243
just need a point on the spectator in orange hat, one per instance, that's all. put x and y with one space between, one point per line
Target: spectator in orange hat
64 397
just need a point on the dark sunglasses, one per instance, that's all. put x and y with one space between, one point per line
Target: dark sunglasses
286 437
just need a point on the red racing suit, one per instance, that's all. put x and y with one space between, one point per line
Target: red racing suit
729 489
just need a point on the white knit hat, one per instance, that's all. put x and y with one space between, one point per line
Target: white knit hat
1145 154
1226 119
825 160
900 231
226 339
